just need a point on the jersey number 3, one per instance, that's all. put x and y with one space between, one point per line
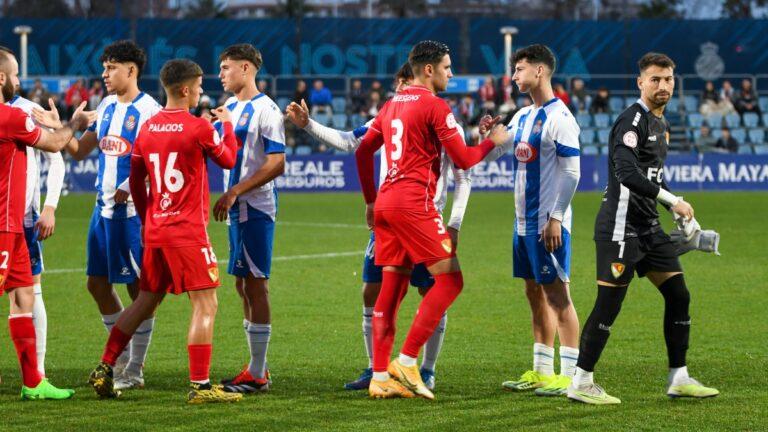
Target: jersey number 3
397 139
173 178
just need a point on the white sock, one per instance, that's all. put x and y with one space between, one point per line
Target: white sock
676 374
434 345
109 322
381 376
246 323
543 359
582 378
202 382
568 358
139 346
368 333
407 361
40 320
258 335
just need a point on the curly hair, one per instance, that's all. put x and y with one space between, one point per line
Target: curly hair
536 53
125 51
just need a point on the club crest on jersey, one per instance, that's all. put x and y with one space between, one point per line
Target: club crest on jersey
29 125
537 127
166 201
213 273
450 121
113 145
243 119
525 152
447 245
629 139
617 269
130 123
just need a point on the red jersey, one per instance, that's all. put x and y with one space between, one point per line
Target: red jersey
170 152
17 130
413 126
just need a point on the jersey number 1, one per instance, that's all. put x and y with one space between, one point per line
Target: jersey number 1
173 178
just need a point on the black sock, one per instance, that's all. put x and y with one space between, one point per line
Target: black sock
598 326
677 322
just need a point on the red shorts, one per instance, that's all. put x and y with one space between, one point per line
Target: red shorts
178 269
15 269
407 237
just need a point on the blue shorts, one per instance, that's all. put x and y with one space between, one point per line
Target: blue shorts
114 248
35 247
420 276
250 244
531 261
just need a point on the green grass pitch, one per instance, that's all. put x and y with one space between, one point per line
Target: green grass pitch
316 343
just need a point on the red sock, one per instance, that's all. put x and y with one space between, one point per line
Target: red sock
23 334
116 343
199 362
393 288
438 299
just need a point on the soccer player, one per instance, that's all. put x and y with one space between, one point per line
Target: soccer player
38 225
250 202
171 151
420 278
114 234
413 126
19 132
629 237
546 148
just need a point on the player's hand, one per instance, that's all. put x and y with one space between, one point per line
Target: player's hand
486 123
46 223
369 216
206 115
683 209
499 135
50 118
222 206
223 114
298 114
121 196
551 235
81 118
454 233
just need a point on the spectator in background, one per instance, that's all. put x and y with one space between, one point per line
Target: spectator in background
320 98
376 88
469 110
203 108
301 93
39 94
487 94
712 102
705 142
747 99
454 105
357 98
727 143
727 93
508 94
76 93
95 95
263 86
374 103
600 102
580 99
561 94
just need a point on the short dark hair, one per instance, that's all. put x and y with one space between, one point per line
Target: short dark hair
177 72
536 53
427 52
242 51
655 59
125 51
405 72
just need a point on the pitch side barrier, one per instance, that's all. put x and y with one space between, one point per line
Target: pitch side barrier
338 173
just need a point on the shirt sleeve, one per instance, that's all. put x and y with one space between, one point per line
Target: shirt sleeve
22 129
221 148
628 133
55 180
272 130
565 135
372 141
444 124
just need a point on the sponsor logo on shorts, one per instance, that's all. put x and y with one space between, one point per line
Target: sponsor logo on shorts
545 270
125 272
447 245
239 264
113 145
617 269
213 273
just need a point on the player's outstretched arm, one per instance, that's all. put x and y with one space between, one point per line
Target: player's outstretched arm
50 119
225 154
466 157
57 140
346 141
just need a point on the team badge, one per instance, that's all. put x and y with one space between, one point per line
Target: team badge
450 121
447 245
166 201
537 127
243 119
29 125
629 139
213 273
617 269
113 145
216 137
130 123
525 152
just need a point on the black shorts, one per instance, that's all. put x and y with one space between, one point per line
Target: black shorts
617 261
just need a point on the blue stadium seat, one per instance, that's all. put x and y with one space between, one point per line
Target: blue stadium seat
761 149
695 119
288 150
765 119
339 104
614 116
340 121
602 136
715 121
695 134
357 120
323 119
616 104
756 136
673 106
763 103
584 120
751 120
629 100
303 151
602 120
587 136
283 102
733 120
745 149
691 104
590 150
717 133
739 135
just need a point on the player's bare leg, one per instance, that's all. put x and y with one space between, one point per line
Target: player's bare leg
559 302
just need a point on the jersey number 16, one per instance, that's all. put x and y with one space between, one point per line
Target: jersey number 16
173 178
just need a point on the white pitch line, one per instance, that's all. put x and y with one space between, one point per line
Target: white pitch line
322 224
225 261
